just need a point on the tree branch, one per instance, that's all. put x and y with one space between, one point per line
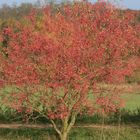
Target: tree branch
72 121
55 127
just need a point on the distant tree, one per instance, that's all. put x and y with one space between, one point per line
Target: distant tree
15 11
5 11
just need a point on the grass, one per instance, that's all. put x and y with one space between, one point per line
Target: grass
26 134
108 134
132 101
76 134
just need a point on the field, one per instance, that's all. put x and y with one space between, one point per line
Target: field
132 101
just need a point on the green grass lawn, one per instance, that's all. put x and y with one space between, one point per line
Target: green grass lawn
132 101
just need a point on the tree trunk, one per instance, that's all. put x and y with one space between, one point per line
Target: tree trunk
64 136
67 124
64 131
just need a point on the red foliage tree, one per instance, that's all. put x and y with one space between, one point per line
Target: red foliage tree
55 61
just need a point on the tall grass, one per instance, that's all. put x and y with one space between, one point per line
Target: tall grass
76 134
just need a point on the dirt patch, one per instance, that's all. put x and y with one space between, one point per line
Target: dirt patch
18 126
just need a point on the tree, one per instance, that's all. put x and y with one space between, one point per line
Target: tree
55 62
17 11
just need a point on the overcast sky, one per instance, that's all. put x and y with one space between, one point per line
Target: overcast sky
131 4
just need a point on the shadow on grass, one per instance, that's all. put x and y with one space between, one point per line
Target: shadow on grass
127 117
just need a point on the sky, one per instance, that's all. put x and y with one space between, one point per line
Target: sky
131 4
